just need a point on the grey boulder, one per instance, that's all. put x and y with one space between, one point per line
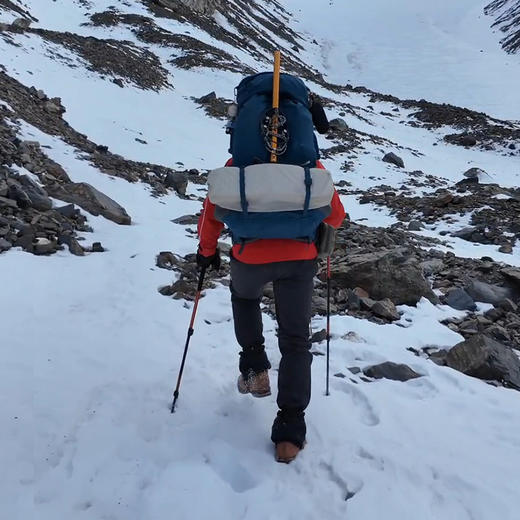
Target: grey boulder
487 359
488 293
92 200
392 158
459 299
178 181
390 273
393 371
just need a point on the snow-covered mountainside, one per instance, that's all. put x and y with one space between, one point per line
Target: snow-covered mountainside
111 114
507 14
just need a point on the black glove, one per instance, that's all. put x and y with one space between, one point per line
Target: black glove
204 262
319 118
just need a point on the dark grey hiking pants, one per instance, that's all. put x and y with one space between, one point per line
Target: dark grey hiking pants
293 288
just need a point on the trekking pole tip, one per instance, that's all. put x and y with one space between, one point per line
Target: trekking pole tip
175 397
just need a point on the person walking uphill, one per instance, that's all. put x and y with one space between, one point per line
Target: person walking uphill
273 211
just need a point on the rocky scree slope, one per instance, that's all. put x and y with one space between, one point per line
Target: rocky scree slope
507 16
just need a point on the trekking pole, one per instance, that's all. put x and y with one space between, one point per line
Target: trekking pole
276 104
328 324
190 334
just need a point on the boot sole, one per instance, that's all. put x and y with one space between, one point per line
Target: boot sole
259 396
289 460
254 394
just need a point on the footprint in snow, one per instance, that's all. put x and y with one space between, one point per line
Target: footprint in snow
222 458
349 486
368 414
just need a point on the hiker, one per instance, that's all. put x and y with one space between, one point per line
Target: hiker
290 264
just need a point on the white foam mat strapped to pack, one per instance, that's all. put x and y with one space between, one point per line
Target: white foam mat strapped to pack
270 187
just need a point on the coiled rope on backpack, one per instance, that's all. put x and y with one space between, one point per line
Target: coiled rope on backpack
274 125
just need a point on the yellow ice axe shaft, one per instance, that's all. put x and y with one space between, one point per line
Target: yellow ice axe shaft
276 104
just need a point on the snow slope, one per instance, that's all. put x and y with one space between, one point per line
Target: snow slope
443 51
91 349
89 433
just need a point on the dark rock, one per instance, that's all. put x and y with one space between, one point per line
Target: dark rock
386 309
497 332
415 225
68 211
97 248
432 266
178 181
353 300
488 293
494 314
485 358
18 194
360 293
91 200
21 23
181 289
5 245
393 371
208 98
466 140
439 357
166 260
459 299
4 188
392 158
53 107
8 203
338 124
474 173
508 305
186 220
44 246
38 196
320 305
443 200
367 303
464 233
319 336
506 248
384 274
25 241
75 247
166 290
512 274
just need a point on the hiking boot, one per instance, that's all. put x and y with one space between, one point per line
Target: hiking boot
286 452
255 384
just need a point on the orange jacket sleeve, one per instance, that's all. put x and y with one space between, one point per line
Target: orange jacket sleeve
209 229
337 214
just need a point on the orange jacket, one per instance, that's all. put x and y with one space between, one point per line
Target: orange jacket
262 251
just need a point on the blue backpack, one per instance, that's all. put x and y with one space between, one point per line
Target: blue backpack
254 96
